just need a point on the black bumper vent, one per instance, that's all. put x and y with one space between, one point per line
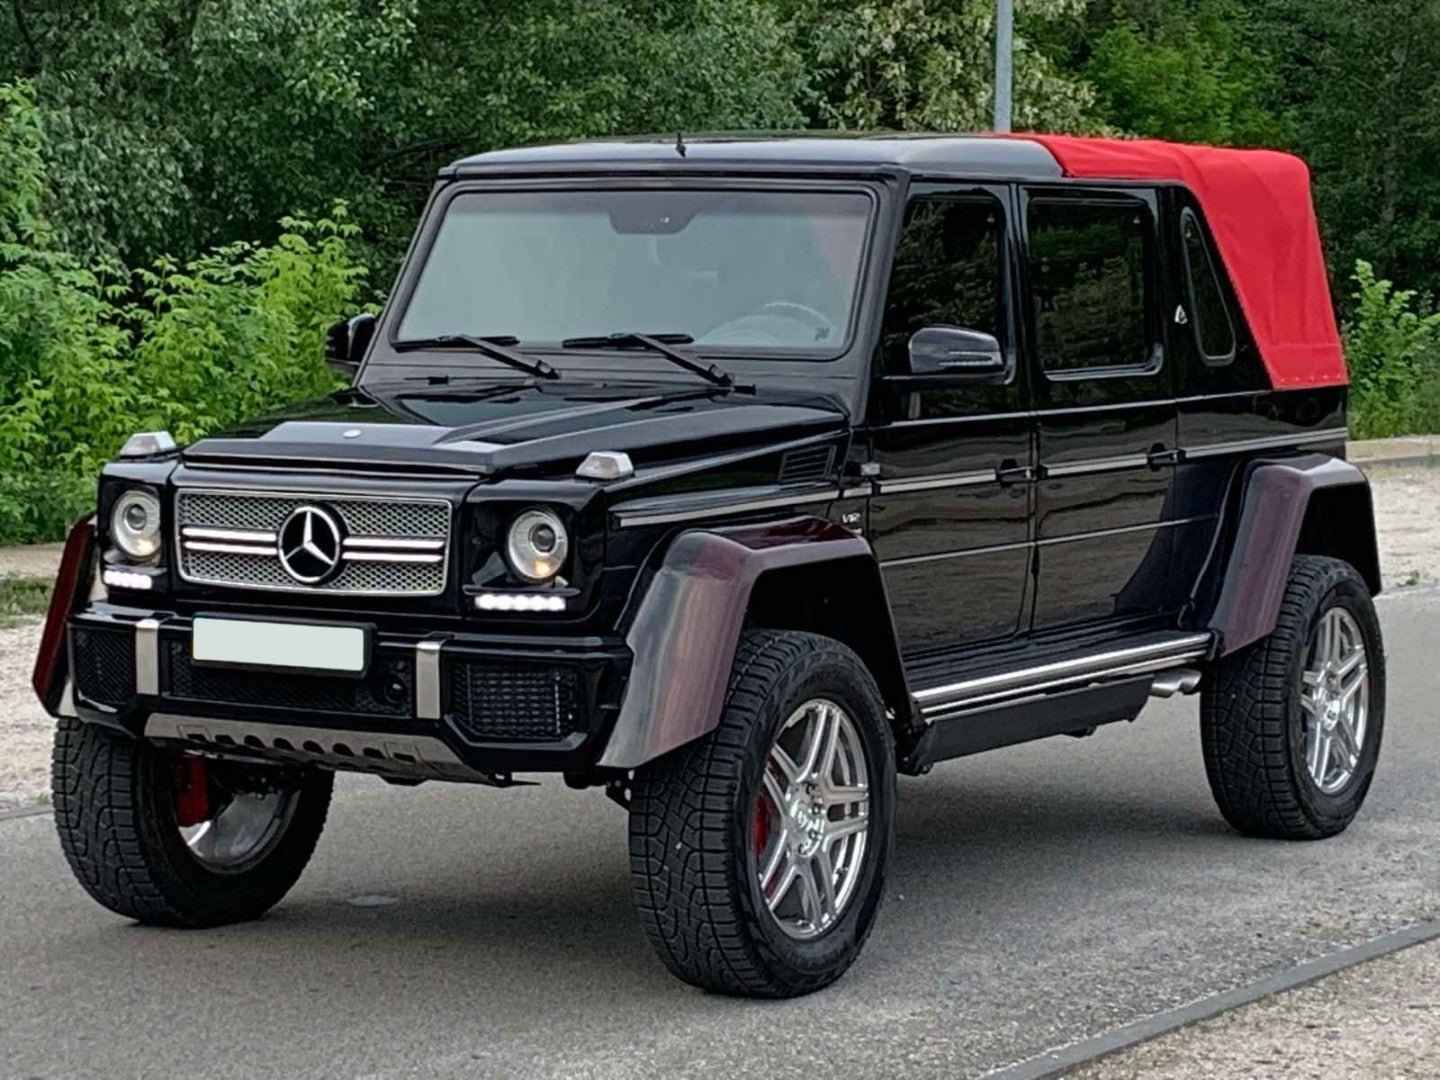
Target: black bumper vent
509 702
103 663
387 690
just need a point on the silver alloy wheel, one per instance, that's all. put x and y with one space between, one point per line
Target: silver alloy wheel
241 831
1335 700
812 819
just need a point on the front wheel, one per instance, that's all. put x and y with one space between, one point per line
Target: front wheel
174 840
1291 725
758 853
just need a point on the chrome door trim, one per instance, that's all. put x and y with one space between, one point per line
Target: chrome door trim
1094 465
933 483
1268 442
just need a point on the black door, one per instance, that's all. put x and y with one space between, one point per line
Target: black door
1105 408
950 520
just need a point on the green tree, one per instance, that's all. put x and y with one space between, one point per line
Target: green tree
177 124
929 65
88 355
1191 72
1362 82
1392 348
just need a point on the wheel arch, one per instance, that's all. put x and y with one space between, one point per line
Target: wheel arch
843 599
1310 505
683 629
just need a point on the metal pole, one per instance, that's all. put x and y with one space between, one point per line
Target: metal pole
1004 61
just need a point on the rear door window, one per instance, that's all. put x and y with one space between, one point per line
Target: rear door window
1090 265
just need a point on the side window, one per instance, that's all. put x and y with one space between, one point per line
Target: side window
949 271
1214 332
1090 273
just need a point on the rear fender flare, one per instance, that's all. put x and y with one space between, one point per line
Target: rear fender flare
1315 504
686 626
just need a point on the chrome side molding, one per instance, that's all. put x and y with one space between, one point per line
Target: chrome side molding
427 679
147 657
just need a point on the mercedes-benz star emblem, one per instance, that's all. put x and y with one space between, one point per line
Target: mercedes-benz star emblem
309 544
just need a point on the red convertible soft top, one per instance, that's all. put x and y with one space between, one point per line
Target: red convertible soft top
1257 204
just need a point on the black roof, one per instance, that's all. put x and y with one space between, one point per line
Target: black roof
977 156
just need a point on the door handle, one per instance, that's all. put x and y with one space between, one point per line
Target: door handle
1161 455
1011 471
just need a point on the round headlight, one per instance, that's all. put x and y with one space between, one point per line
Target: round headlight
536 546
135 524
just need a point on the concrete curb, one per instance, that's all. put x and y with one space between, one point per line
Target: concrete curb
1059 1061
1401 450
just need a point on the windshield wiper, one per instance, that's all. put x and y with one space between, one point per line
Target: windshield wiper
661 345
497 347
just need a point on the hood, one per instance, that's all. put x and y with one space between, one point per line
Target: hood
490 428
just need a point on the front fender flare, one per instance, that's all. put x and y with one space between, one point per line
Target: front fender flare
687 626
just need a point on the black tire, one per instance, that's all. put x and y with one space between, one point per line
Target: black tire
691 860
115 812
1252 726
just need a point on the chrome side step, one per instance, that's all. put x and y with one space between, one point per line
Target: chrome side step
940 702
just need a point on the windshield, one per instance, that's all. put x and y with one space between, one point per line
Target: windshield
748 270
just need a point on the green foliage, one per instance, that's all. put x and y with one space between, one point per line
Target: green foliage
89 355
1196 79
21 597
254 155
929 65
179 125
1392 347
241 329
1362 86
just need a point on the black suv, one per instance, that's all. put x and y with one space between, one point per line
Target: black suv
733 476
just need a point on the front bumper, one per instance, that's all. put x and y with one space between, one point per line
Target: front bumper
448 705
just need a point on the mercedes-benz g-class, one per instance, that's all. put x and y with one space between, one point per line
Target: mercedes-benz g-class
733 477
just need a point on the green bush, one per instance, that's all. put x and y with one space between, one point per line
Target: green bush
89 355
1392 347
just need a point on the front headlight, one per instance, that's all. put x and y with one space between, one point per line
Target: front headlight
536 545
135 524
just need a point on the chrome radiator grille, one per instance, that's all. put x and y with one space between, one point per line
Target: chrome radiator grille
390 546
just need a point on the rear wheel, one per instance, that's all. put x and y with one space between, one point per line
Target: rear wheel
1291 725
758 853
174 840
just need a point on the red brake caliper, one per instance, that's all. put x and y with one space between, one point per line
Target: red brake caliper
192 791
761 829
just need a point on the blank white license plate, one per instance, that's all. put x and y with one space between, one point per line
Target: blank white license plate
251 643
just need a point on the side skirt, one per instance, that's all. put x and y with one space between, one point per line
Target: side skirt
1070 693
1073 712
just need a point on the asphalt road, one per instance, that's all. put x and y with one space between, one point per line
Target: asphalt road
1040 895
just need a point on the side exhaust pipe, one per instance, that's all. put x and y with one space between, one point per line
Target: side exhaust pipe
1176 681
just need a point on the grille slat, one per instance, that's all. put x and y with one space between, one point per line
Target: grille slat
365 519
810 463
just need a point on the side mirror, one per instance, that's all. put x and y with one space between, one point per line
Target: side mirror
346 342
953 350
